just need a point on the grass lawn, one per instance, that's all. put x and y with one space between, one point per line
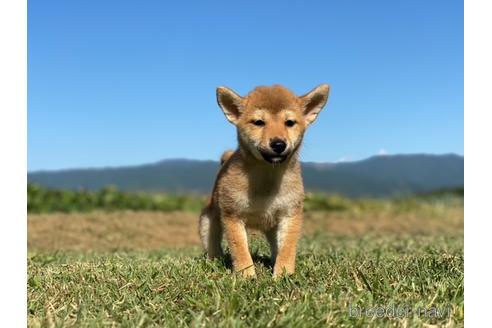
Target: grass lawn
383 266
181 288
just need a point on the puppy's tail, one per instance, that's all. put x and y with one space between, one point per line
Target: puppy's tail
225 156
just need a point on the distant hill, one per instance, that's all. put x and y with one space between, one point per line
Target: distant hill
377 176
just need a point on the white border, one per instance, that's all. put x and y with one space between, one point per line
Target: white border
13 138
478 161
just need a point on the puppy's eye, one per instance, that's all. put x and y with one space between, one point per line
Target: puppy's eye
258 122
290 123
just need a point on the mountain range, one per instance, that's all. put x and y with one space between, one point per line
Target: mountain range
377 176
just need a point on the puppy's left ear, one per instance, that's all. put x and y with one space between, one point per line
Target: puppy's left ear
230 103
314 101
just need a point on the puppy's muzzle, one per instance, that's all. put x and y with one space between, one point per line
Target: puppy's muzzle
276 153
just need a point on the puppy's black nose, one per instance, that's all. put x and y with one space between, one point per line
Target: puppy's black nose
278 145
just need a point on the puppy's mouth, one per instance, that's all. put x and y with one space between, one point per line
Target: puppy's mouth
273 158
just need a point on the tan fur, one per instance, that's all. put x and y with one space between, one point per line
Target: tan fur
225 156
257 187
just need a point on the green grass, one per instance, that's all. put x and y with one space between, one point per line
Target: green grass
181 288
46 200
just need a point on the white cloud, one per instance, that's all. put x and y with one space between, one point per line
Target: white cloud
382 152
343 159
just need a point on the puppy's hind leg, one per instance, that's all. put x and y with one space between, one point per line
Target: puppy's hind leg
210 229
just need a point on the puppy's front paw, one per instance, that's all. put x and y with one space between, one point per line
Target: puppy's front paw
281 270
248 272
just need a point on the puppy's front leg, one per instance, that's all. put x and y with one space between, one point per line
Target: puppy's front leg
237 238
288 233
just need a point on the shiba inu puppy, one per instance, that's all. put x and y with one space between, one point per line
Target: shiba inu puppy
260 185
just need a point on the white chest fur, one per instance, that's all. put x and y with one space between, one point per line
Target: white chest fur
263 208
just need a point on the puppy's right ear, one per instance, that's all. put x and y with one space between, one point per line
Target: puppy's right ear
230 103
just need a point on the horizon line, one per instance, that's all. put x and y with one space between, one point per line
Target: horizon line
216 160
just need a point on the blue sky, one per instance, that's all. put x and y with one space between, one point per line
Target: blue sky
129 82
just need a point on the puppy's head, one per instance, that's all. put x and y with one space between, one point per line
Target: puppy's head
271 121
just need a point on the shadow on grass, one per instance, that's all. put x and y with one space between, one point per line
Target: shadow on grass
226 260
265 260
